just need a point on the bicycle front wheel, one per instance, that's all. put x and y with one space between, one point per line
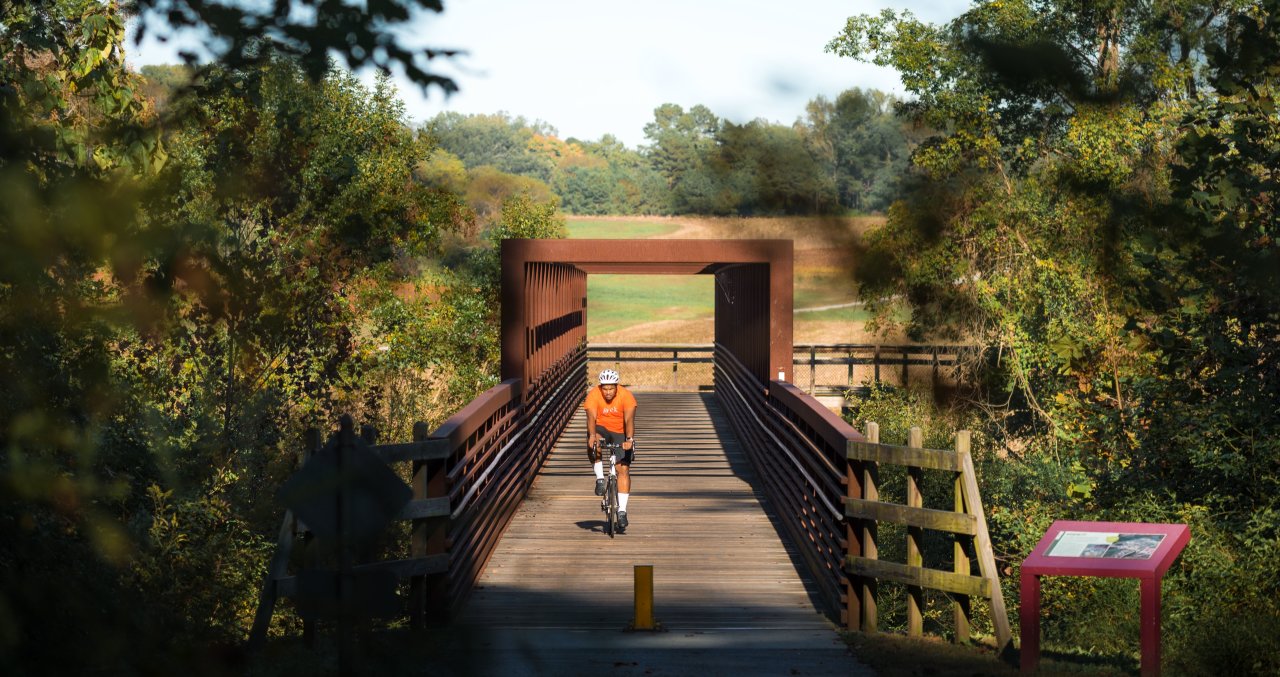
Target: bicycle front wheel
611 515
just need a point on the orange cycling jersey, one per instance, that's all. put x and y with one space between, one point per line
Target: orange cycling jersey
610 414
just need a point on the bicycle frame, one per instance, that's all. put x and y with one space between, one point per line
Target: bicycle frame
609 502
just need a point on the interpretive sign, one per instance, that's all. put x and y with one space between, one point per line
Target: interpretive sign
1105 549
1104 544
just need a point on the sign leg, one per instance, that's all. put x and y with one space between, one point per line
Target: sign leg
1150 627
1029 622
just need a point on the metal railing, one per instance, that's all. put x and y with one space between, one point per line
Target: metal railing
497 445
470 474
797 447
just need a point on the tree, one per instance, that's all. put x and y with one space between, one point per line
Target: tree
91 280
863 144
234 34
1096 203
606 177
511 145
681 142
488 189
771 170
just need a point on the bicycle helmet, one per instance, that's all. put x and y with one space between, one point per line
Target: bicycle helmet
608 376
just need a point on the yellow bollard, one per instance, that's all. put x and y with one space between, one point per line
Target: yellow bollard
644 598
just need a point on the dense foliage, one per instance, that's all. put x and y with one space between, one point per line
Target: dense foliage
200 263
1099 206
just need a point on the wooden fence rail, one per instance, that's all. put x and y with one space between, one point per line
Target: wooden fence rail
966 523
820 369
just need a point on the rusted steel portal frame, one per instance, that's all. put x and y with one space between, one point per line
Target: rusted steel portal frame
544 300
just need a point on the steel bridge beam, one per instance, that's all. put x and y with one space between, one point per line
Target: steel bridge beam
544 295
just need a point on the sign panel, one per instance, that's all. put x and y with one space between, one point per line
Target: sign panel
1125 549
1109 545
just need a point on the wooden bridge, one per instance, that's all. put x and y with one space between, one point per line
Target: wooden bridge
696 517
755 504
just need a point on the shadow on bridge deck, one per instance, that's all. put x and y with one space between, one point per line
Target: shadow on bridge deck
557 593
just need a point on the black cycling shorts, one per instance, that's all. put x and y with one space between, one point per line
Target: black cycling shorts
610 437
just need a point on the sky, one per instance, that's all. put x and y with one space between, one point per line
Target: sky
595 67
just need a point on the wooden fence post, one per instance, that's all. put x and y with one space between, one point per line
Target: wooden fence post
986 558
875 363
430 535
813 368
963 613
346 566
933 384
418 534
312 441
854 544
870 529
915 539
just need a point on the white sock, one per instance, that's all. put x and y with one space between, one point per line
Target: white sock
622 501
598 467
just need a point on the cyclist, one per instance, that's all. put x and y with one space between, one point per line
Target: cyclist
611 413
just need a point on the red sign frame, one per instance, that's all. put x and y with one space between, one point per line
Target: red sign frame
1147 569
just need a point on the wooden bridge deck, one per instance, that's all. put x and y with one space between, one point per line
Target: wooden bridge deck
719 562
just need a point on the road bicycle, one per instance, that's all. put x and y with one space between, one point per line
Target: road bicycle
609 501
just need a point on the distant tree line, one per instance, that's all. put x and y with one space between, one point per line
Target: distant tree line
843 155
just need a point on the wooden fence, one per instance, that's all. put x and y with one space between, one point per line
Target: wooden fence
467 479
819 369
966 523
845 368
425 510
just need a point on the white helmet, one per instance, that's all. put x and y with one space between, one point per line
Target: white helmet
608 376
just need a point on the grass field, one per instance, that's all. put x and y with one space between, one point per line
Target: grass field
622 301
681 308
616 229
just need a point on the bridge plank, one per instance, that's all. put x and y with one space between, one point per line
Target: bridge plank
695 516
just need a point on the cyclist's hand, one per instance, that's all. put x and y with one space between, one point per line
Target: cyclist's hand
627 444
592 442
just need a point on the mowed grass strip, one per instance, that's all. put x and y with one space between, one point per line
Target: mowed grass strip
617 229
